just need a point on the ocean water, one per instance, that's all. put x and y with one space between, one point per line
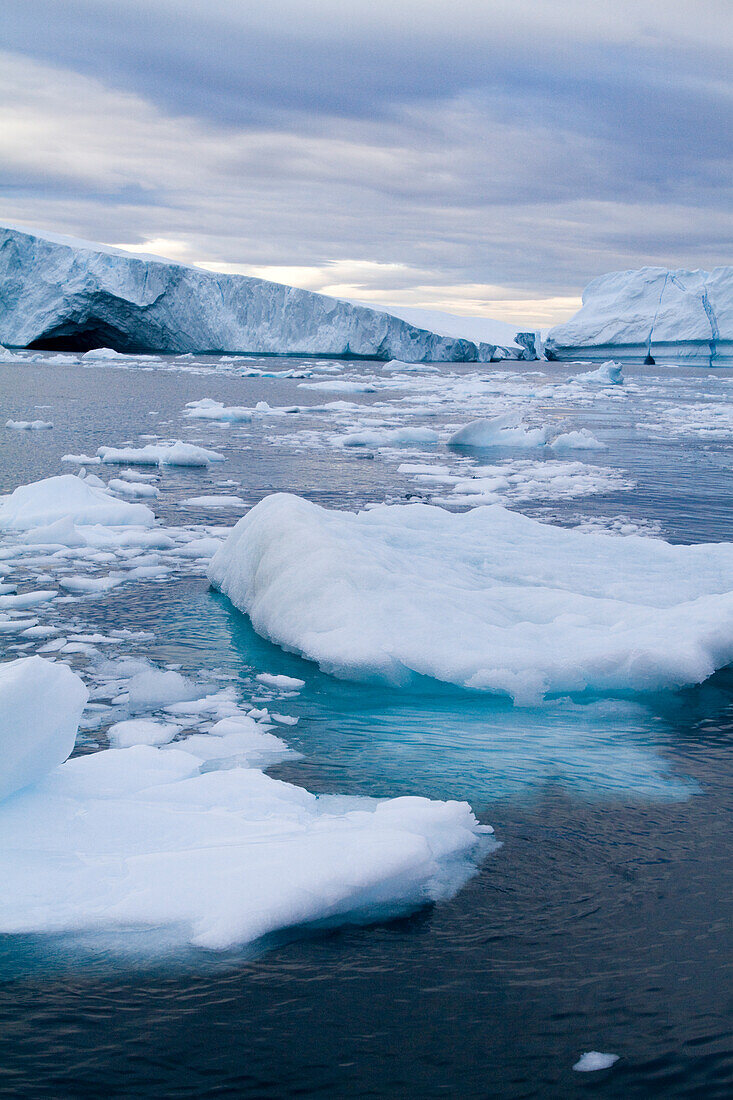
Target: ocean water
604 920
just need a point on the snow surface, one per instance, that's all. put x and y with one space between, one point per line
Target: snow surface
68 500
53 288
40 706
488 599
670 315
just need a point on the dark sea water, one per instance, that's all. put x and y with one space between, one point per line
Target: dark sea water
604 922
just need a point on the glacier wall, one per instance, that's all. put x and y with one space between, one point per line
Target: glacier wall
60 293
651 314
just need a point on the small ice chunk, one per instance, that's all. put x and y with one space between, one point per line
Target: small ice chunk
221 501
581 440
609 373
141 731
207 409
154 688
498 431
283 683
28 425
593 1060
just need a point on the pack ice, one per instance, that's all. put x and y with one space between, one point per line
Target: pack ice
193 838
490 599
56 292
651 313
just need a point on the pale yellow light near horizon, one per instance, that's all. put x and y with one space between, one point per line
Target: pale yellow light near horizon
360 279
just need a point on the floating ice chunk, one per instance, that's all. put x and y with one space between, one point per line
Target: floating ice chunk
581 440
29 425
382 437
40 707
154 688
207 409
82 460
339 385
160 454
593 1060
27 599
499 431
7 356
141 731
102 354
87 586
220 501
130 488
284 683
488 599
609 373
200 548
69 498
142 838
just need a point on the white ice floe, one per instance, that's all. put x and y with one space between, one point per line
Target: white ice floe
141 731
340 385
68 499
284 683
153 838
221 501
594 1060
160 454
609 373
29 425
498 431
127 488
208 409
41 703
580 440
488 599
383 437
152 688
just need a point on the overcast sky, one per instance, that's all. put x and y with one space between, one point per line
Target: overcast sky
480 156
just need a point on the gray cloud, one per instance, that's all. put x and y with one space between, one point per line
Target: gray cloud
525 145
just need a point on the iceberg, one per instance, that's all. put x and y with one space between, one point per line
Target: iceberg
651 314
489 599
57 293
498 431
160 454
41 704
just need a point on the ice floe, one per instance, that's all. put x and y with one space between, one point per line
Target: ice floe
499 431
68 499
160 454
487 599
594 1060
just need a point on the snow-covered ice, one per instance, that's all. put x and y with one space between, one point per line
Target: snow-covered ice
488 599
609 373
41 703
29 425
67 499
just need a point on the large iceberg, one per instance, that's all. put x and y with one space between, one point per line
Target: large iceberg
40 707
490 599
649 315
57 292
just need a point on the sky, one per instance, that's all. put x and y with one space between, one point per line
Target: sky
486 157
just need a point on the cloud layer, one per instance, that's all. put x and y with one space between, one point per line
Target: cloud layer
480 157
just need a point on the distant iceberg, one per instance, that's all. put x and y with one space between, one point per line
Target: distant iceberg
649 315
63 294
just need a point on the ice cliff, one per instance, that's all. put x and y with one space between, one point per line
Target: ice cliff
651 314
56 292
